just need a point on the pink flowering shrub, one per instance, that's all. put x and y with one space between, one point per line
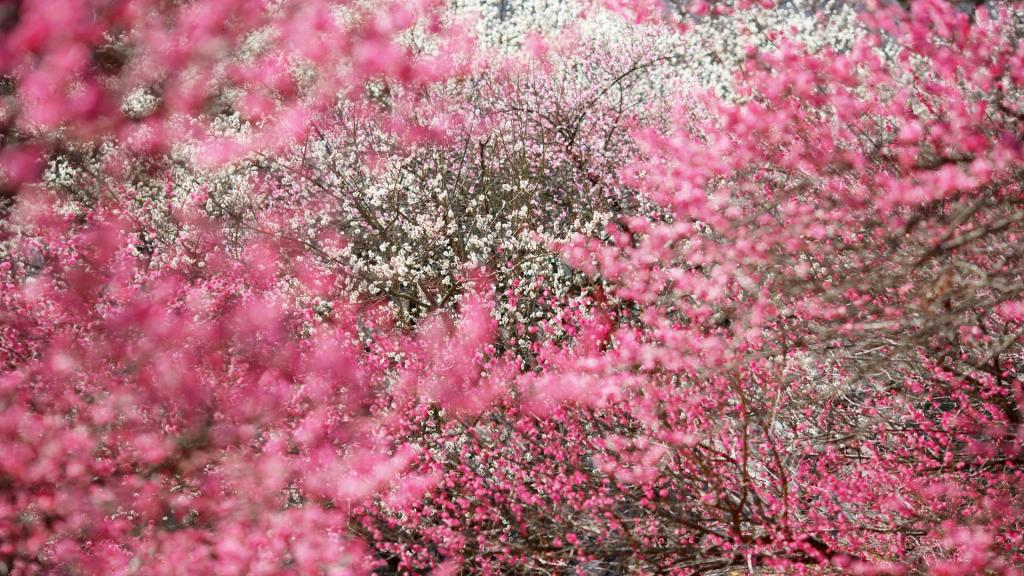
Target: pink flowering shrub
168 419
808 365
333 288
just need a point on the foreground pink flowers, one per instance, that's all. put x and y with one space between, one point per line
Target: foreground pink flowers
318 288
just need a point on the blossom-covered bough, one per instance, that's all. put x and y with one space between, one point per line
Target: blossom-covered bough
556 288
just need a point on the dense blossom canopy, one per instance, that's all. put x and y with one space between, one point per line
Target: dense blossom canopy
538 287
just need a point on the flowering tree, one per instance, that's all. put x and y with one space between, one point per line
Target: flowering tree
812 362
330 287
